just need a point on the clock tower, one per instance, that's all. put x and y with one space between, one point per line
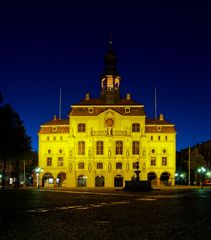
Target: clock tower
110 79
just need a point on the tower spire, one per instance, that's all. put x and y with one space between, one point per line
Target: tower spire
110 79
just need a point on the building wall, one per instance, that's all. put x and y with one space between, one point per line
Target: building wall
51 145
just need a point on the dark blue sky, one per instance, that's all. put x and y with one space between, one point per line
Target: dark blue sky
45 47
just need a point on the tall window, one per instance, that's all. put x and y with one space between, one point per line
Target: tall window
99 148
119 147
81 127
153 161
49 161
81 148
164 161
80 165
99 165
60 161
118 165
135 147
135 127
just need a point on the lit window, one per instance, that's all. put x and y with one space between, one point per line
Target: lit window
60 161
158 138
54 138
135 127
81 148
61 138
164 161
48 138
99 148
49 161
110 83
164 151
80 165
99 165
119 165
153 151
81 127
116 82
60 151
153 161
119 147
166 138
151 138
135 149
49 151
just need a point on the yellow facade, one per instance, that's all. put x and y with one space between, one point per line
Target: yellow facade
100 143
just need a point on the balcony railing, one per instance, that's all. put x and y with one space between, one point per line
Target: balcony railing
111 133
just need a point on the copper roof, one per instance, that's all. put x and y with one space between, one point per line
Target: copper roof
57 122
52 129
98 101
158 129
157 121
84 111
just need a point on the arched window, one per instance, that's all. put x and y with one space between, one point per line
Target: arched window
81 127
135 147
119 147
135 127
81 148
99 147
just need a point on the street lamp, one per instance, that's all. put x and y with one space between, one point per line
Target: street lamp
38 170
201 170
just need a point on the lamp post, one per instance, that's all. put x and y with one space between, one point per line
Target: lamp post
38 170
201 170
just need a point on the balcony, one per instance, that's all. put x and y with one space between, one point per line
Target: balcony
111 133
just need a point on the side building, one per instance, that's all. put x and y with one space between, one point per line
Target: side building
101 142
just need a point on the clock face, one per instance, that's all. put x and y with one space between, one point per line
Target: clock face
109 122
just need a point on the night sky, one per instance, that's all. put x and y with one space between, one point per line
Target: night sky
45 47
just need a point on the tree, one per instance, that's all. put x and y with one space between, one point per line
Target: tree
196 161
14 143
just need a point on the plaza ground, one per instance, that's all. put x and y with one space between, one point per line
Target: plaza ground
165 213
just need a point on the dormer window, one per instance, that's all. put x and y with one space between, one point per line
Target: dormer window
159 128
127 110
54 129
90 110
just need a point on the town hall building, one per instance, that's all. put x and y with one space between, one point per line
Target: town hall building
101 142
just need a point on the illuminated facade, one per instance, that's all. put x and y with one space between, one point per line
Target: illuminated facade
100 143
